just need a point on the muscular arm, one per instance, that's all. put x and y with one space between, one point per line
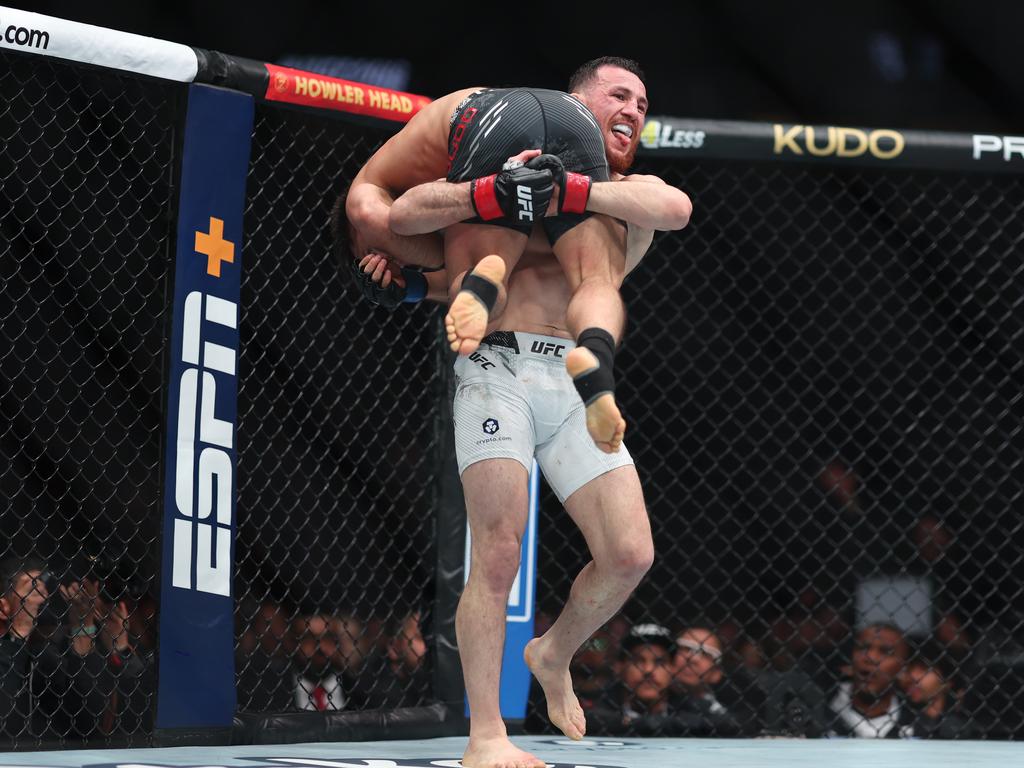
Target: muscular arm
367 209
416 154
431 207
644 201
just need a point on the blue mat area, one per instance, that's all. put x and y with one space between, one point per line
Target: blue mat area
630 753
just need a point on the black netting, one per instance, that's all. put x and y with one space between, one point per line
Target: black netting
85 192
822 377
339 452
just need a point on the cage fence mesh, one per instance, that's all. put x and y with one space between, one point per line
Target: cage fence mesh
821 376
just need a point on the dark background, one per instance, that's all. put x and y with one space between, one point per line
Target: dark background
808 316
941 64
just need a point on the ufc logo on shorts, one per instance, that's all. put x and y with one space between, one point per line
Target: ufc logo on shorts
547 348
203 440
525 197
480 360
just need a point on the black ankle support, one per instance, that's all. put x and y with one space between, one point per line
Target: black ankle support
484 290
600 380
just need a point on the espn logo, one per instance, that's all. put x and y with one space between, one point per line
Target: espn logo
201 458
525 199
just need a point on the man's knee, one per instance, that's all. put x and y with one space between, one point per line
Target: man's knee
629 559
496 561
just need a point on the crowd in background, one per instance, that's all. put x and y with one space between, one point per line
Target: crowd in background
85 669
897 659
647 680
77 656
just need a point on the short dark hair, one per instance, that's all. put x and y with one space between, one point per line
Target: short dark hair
586 72
341 236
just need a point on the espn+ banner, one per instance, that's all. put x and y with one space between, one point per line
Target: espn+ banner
196 617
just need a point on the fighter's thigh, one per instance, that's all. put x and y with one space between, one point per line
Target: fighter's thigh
594 249
610 512
570 459
497 499
492 414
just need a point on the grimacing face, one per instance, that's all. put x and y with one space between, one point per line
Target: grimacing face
618 100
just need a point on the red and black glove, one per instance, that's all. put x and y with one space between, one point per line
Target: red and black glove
573 188
521 194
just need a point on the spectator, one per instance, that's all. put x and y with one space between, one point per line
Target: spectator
703 699
325 650
111 675
397 675
262 669
639 702
870 704
934 702
809 633
21 601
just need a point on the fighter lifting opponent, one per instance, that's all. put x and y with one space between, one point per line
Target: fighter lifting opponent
530 396
471 133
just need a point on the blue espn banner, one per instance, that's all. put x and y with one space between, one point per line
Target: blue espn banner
197 671
519 613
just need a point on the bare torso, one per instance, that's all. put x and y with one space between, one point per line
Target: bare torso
538 294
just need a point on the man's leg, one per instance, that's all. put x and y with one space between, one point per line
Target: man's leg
497 501
491 253
610 512
593 257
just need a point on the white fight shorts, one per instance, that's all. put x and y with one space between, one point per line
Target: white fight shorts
515 400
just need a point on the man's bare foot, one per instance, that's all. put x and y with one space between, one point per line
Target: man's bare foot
604 421
564 708
466 321
498 753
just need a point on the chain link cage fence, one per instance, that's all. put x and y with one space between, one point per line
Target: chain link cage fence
85 200
339 434
822 376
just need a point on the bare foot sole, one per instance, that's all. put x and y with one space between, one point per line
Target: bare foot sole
498 753
604 421
564 708
466 321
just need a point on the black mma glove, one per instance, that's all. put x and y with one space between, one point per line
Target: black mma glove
573 188
521 194
389 297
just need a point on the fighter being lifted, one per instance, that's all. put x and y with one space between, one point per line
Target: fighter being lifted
466 137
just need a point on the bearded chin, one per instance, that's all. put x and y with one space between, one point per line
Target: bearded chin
622 163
